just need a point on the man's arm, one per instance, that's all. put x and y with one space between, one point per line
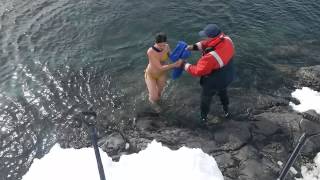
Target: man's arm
204 66
195 47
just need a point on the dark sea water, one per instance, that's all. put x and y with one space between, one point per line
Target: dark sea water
60 55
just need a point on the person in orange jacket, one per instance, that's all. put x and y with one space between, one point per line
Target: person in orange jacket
215 68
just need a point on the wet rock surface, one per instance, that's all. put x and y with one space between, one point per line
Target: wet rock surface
309 77
262 131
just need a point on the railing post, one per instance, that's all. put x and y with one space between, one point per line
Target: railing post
293 156
94 139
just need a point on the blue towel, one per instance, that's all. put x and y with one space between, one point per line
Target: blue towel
179 52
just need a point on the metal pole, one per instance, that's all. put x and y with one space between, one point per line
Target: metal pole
293 156
91 124
97 153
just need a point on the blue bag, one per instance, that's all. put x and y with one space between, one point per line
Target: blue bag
179 52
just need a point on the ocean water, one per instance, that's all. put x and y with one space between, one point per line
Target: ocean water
61 55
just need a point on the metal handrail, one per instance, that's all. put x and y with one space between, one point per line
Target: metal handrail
94 140
292 158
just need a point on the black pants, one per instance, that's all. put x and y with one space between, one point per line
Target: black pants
206 98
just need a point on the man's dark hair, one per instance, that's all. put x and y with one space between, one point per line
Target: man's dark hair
161 37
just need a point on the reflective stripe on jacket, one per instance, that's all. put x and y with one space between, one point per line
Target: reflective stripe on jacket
222 53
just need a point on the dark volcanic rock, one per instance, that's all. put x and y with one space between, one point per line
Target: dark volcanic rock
113 144
262 131
309 77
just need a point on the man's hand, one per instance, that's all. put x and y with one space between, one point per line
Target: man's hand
189 47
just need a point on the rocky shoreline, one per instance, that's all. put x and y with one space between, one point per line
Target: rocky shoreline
248 146
262 131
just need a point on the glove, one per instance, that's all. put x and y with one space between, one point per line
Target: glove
185 65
